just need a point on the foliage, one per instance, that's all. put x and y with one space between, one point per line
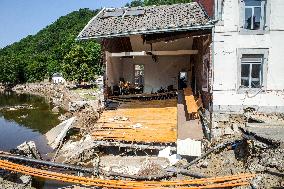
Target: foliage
136 3
81 64
53 49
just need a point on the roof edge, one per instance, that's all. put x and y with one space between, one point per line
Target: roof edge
191 28
89 23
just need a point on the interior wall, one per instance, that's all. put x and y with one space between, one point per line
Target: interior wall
114 71
157 74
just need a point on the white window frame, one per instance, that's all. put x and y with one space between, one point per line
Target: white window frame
252 12
251 62
245 51
264 21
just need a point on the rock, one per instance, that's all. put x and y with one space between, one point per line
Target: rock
81 151
174 159
204 164
23 116
137 165
228 131
29 149
235 128
25 179
62 117
55 109
216 133
77 105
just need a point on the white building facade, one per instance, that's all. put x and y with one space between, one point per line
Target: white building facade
247 58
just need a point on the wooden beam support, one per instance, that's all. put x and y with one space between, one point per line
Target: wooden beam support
123 54
175 53
157 53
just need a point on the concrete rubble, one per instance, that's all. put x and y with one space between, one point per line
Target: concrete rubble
6 184
142 166
256 144
78 152
29 149
56 135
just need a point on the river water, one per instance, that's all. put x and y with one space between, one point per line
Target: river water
25 118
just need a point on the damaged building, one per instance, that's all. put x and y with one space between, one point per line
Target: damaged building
163 64
152 55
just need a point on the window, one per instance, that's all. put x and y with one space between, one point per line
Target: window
254 17
253 14
139 74
220 10
251 71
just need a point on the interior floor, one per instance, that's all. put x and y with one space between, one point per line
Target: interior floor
152 121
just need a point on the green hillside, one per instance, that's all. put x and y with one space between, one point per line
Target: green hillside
51 50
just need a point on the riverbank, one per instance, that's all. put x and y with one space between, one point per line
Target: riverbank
85 104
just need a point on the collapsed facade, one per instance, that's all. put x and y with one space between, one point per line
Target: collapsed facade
222 56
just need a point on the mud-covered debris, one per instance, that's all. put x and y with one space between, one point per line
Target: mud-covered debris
29 149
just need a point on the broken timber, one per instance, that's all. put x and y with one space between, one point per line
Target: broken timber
133 145
217 182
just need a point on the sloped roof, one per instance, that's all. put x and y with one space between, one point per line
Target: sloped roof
146 20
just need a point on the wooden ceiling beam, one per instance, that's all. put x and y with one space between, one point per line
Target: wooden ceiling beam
156 53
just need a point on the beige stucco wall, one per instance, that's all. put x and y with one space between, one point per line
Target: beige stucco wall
157 75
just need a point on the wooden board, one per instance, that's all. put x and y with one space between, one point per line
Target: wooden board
148 121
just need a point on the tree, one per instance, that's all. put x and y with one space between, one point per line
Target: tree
82 63
135 3
39 56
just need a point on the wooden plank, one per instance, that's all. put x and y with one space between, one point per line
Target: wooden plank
156 120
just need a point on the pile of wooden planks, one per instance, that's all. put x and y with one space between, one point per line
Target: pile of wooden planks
139 121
